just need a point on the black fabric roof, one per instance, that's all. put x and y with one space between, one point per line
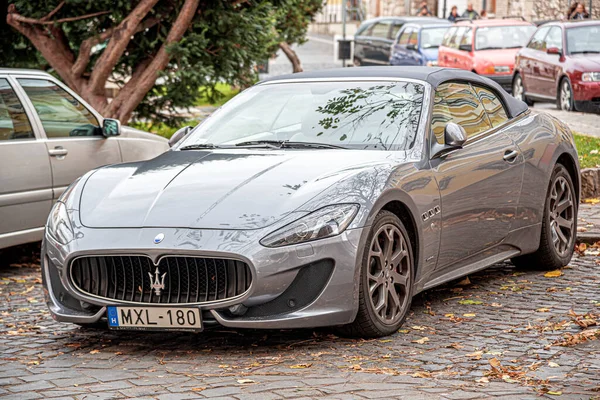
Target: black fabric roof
433 75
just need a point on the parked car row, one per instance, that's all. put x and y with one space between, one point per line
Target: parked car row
559 62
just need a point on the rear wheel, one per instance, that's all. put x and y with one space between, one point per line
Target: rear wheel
564 100
559 225
518 91
386 279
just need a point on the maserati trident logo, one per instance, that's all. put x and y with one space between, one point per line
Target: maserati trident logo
157 281
159 238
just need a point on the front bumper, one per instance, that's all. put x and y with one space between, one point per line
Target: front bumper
587 96
503 80
289 289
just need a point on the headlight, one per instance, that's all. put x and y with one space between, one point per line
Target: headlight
325 222
590 77
59 225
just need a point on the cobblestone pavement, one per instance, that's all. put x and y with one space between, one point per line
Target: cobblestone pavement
589 222
503 333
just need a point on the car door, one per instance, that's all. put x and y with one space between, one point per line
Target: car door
479 184
381 43
529 64
26 180
74 139
362 42
444 53
464 57
550 65
400 53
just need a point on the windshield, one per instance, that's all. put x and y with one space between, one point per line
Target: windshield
503 37
355 115
583 39
432 37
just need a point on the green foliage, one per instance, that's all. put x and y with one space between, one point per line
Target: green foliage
218 95
588 148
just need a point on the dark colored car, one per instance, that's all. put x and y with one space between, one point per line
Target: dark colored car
317 199
418 44
374 38
561 64
486 47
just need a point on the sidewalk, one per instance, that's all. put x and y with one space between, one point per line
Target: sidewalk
589 223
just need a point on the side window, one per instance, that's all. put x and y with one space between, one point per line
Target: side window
404 36
414 38
14 124
448 36
456 102
492 105
455 40
395 29
554 38
61 114
381 29
537 40
467 39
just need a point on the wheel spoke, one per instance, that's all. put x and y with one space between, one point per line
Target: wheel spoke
563 205
394 295
563 222
399 278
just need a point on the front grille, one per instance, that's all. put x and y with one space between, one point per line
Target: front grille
186 279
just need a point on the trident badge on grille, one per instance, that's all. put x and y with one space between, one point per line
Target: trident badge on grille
157 281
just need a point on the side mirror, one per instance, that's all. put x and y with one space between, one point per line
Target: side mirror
111 127
465 47
454 138
177 136
553 50
411 47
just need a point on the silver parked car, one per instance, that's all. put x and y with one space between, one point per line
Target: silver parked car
322 198
49 137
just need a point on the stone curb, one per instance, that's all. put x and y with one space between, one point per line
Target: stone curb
590 183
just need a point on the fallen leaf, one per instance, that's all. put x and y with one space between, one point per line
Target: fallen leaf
422 340
476 355
300 366
483 379
421 374
469 315
418 328
496 305
543 309
552 364
470 302
198 389
94 351
464 282
245 381
558 393
553 274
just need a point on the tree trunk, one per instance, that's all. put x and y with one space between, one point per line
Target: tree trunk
292 56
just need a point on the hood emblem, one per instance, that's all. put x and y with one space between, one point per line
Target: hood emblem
157 282
159 238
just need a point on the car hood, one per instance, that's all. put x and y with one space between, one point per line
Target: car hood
497 57
221 189
587 62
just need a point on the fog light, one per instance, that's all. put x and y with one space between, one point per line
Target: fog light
238 309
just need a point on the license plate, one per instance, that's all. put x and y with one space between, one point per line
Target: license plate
154 318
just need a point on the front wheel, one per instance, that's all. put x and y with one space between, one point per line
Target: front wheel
565 96
518 91
559 225
386 279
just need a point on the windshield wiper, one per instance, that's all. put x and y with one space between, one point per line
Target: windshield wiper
200 146
286 144
586 52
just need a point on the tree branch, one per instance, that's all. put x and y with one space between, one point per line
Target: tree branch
33 21
53 12
292 56
144 78
119 40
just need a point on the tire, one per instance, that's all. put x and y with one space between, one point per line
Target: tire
554 252
564 99
371 322
518 91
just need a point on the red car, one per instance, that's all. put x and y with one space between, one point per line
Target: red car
486 47
561 64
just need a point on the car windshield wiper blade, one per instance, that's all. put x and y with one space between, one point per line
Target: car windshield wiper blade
199 146
283 144
586 52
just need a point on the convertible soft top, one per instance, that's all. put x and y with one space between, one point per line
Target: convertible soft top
434 75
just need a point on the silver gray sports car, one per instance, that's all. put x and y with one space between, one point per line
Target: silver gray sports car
321 198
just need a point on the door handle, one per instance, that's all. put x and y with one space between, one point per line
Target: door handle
510 155
58 152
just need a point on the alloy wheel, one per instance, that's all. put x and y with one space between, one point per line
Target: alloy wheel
562 215
565 96
389 268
